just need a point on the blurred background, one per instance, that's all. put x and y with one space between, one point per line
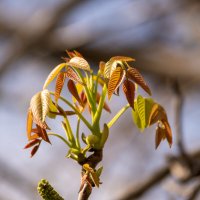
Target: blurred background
164 38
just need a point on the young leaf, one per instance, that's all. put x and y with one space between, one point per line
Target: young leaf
72 88
136 117
134 75
160 135
122 58
53 74
115 80
59 85
34 150
141 110
29 124
40 107
129 91
71 74
43 134
80 63
102 67
78 54
168 132
70 54
32 143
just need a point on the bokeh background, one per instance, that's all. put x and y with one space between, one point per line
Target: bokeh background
164 38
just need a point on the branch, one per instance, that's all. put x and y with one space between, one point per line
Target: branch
195 192
147 184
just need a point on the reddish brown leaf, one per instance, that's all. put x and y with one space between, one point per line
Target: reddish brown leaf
29 124
73 91
71 74
115 80
160 135
34 136
157 113
105 106
43 134
34 150
32 143
78 54
70 54
168 132
134 75
59 85
129 91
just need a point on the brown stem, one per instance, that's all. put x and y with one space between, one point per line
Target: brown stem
86 182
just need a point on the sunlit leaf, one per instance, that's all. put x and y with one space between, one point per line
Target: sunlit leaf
71 74
73 90
32 143
102 67
136 117
141 110
53 74
59 85
122 58
115 80
129 91
149 103
80 63
29 124
40 107
134 75
157 113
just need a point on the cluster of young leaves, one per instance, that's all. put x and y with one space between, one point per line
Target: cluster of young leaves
89 91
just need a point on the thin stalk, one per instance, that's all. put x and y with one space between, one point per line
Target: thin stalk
100 108
59 136
76 111
77 134
117 116
87 91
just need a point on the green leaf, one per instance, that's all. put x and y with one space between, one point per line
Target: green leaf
141 110
136 117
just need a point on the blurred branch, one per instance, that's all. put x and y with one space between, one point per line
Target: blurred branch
194 194
147 184
18 180
41 26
